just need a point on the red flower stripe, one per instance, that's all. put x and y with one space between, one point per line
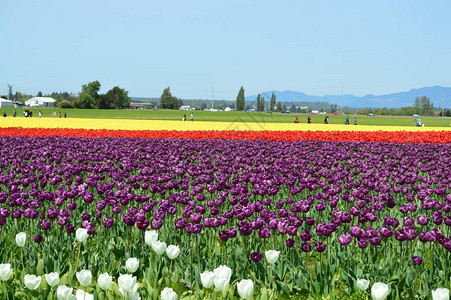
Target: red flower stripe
376 136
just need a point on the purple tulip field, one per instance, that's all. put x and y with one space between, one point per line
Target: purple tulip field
126 218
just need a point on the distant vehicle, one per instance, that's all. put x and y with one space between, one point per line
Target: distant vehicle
370 115
416 116
155 108
335 113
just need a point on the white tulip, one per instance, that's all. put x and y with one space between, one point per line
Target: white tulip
379 291
126 282
168 294
5 272
21 238
245 288
128 286
52 278
132 264
104 281
64 293
32 282
362 284
82 295
173 251
272 256
222 277
81 234
84 277
207 279
150 237
159 247
440 294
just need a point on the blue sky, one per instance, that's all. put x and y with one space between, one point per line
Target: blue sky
315 47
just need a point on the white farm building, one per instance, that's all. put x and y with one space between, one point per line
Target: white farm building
5 103
40 102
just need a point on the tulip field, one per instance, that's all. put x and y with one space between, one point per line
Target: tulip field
205 212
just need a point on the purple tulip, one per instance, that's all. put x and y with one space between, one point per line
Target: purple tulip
344 239
306 235
38 238
417 260
306 247
256 256
289 243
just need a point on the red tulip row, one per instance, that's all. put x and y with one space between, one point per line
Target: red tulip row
373 136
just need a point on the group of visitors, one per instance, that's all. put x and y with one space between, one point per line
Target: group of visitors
28 113
192 117
309 120
347 121
296 120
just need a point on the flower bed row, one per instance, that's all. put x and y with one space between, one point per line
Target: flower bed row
362 136
226 202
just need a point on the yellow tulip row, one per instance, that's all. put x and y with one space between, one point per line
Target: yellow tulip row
127 124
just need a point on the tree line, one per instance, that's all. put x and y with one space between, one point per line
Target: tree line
421 106
88 98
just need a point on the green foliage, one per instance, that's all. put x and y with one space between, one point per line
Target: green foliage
86 101
279 106
260 103
114 98
240 99
424 106
89 96
65 104
167 101
272 103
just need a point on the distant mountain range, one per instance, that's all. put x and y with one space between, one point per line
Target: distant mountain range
395 100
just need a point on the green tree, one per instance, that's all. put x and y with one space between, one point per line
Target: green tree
333 108
427 107
260 103
240 99
272 103
167 101
114 98
10 92
89 96
279 106
424 106
293 108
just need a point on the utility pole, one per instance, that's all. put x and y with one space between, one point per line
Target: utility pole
443 102
341 101
212 96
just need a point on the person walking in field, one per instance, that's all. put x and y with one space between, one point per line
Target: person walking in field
40 114
184 118
326 120
59 114
14 113
4 114
309 120
192 117
347 120
355 121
